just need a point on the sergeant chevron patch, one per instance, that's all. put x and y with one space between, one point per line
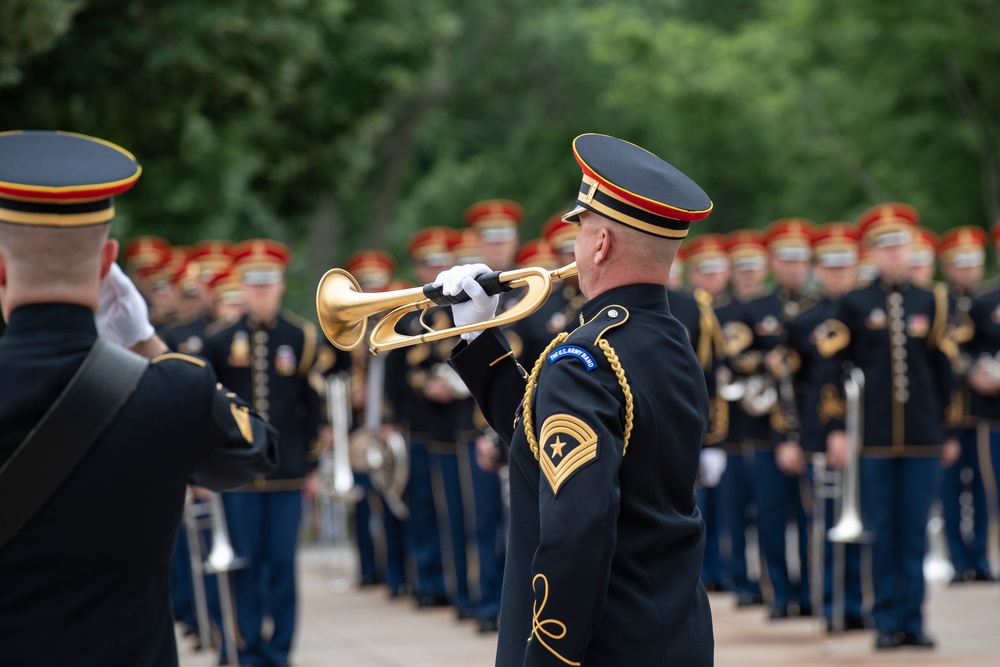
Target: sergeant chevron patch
567 445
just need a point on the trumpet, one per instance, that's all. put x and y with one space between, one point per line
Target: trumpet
343 308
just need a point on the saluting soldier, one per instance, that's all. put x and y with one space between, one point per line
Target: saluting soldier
896 333
779 495
923 256
962 252
266 357
748 261
606 539
835 260
91 508
379 533
708 275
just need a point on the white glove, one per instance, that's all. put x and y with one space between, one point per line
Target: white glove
711 466
122 314
480 306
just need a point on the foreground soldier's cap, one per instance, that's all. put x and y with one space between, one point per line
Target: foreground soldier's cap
630 185
371 268
260 261
963 247
144 252
495 220
560 234
747 250
465 247
888 224
790 239
61 179
430 246
536 252
835 245
706 253
923 247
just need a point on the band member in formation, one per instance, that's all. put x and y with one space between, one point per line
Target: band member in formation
748 259
984 375
907 396
78 587
422 391
495 225
962 255
835 257
708 273
605 540
779 494
923 255
266 357
379 533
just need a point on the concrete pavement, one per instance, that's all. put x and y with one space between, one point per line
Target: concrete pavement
341 626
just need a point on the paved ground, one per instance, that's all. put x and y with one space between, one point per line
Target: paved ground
345 627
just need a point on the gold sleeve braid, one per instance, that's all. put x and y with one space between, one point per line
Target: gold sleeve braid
616 366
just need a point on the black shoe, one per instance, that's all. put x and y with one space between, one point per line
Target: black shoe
805 611
428 600
466 613
981 575
369 581
488 625
397 591
748 599
778 611
962 576
850 623
918 639
887 640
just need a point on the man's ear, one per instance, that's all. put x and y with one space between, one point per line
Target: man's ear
603 246
109 253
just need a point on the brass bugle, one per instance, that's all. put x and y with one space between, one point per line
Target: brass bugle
343 308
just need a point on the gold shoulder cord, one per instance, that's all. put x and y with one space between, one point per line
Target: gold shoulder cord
616 366
529 392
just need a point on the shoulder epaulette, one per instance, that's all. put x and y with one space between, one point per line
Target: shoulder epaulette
309 333
219 326
181 357
594 329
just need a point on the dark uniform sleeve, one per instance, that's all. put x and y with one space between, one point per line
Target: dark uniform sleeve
489 370
236 443
580 421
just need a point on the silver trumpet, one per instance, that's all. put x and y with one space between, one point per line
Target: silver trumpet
335 469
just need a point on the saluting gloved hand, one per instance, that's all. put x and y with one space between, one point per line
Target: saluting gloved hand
480 307
122 314
711 466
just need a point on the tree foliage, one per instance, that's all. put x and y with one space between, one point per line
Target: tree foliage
337 124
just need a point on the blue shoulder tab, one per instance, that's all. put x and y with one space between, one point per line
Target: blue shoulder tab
573 352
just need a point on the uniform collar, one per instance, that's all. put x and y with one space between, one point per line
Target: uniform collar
68 317
888 287
643 295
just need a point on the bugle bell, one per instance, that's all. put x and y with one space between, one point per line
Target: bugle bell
343 308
